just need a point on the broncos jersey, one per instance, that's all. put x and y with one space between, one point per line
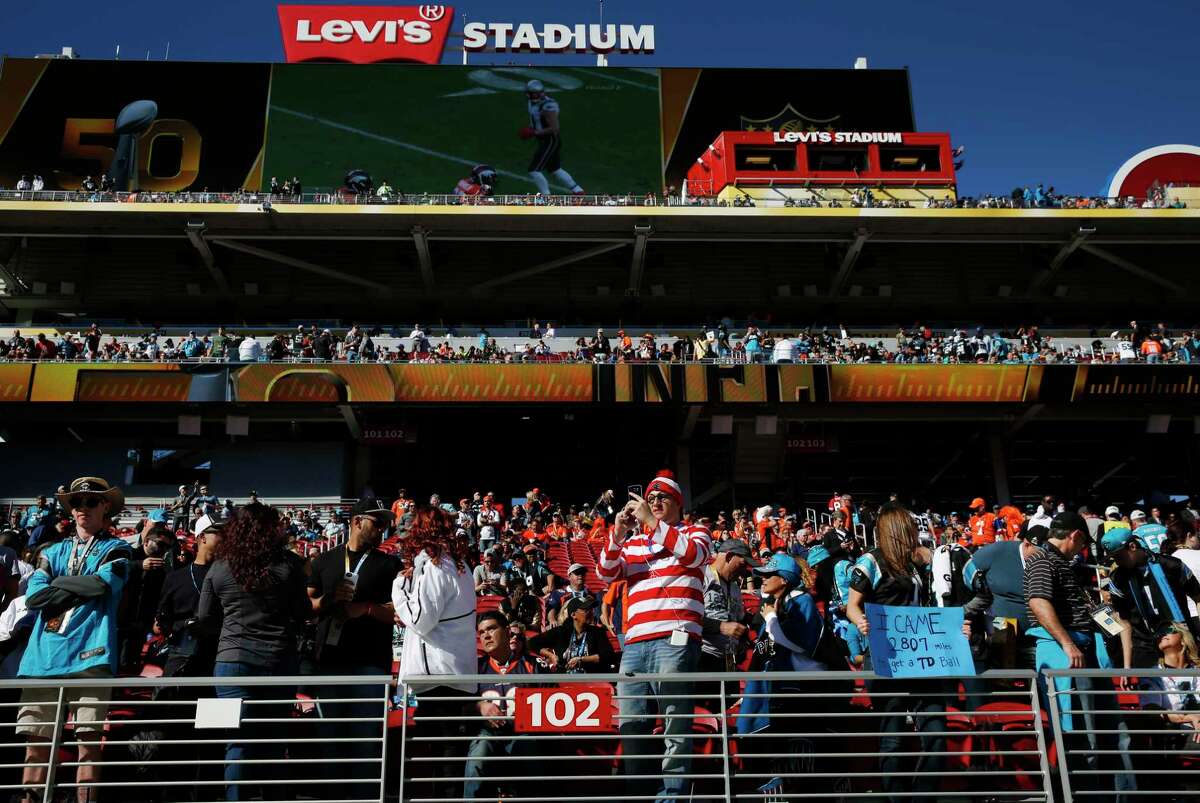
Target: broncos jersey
538 109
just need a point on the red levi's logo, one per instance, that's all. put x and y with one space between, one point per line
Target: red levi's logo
365 34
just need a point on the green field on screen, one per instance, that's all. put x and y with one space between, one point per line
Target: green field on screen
422 128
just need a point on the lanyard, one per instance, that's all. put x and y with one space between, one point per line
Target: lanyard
358 565
192 574
75 564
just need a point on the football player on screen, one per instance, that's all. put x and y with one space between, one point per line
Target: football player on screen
480 184
543 126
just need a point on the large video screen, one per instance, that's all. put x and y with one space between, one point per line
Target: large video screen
422 128
58 121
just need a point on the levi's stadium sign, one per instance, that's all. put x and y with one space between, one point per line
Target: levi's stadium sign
365 34
368 34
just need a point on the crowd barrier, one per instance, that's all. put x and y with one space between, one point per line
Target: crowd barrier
1114 738
166 739
828 736
326 197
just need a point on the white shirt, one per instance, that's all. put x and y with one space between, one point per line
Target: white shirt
436 605
1191 559
249 350
784 350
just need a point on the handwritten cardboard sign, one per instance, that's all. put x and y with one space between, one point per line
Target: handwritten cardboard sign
918 642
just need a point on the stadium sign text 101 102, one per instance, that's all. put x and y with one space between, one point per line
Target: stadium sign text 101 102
570 709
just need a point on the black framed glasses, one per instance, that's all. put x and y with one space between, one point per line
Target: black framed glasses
80 502
652 498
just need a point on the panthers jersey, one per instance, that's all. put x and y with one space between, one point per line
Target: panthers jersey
538 109
468 188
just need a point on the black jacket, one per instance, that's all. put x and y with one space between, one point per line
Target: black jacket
260 627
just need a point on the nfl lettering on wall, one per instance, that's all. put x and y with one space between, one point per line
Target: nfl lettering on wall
365 34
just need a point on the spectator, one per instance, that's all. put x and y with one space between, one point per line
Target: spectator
500 658
576 589
1179 698
75 591
999 570
1066 637
35 513
1149 591
576 645
254 596
488 579
789 642
651 549
435 601
897 573
521 606
350 587
724 612
250 350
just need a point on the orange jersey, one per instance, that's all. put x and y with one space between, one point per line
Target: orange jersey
531 537
983 528
558 532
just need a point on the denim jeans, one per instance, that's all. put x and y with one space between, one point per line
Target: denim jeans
478 767
918 699
371 707
637 715
236 773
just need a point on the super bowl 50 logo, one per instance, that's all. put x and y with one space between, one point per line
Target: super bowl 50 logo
168 152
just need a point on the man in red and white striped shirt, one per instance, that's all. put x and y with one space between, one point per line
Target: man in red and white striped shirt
663 562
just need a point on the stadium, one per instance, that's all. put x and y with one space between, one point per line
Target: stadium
763 463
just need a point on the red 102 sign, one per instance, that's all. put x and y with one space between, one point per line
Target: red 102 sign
570 709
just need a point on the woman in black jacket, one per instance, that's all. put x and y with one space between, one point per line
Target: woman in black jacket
255 595
575 646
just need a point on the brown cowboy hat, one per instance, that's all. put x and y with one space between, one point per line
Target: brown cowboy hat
95 486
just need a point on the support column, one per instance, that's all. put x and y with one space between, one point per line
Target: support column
999 466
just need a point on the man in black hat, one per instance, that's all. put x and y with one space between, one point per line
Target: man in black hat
1064 631
351 590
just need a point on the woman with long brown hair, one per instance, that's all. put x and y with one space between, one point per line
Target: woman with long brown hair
434 598
896 572
255 596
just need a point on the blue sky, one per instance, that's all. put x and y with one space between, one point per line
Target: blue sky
1061 92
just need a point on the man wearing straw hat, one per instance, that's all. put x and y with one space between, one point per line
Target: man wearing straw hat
75 590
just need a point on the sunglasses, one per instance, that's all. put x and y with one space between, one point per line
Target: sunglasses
652 498
80 502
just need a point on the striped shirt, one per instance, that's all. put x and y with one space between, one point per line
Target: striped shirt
1050 576
665 570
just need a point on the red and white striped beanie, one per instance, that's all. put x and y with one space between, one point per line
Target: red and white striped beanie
664 482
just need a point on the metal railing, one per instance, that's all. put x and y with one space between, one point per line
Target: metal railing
198 739
813 199
820 739
696 737
1118 743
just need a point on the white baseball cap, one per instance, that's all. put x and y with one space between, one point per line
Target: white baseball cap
1112 510
1137 514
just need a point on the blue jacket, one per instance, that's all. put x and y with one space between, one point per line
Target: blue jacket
88 639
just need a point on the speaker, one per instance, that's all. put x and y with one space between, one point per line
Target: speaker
237 425
722 425
189 425
766 424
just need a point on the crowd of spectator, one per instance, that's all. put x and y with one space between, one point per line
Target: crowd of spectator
721 342
1158 196
204 588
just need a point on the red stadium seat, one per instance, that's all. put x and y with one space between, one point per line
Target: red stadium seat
488 602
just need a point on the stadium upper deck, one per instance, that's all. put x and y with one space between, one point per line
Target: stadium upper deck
666 264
